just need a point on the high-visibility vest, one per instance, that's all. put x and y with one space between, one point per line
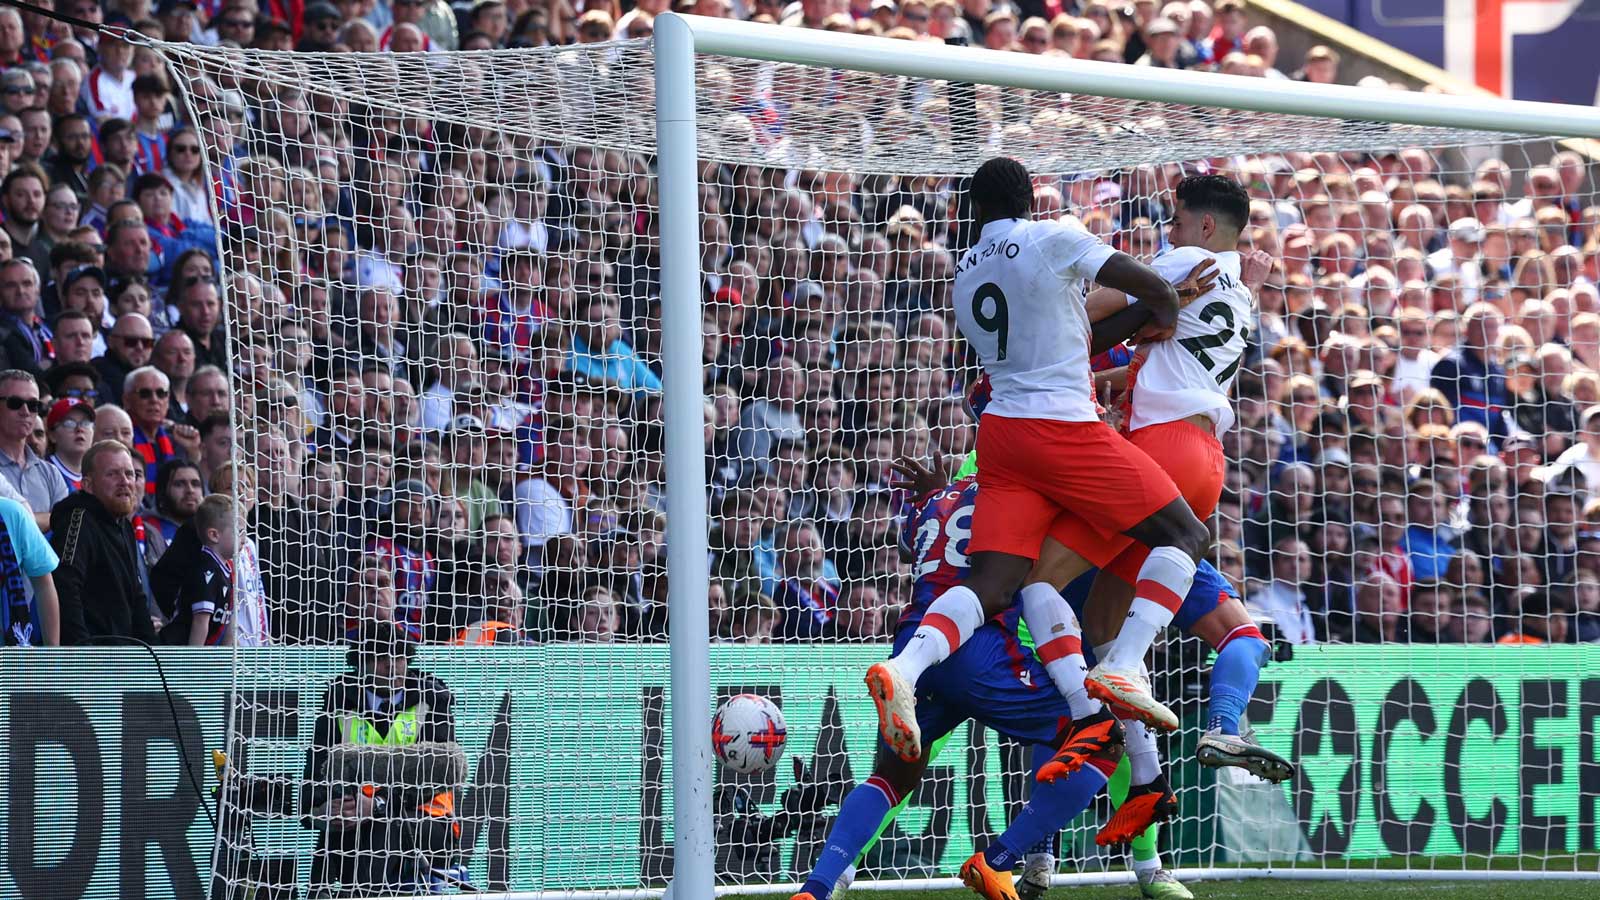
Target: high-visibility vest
404 731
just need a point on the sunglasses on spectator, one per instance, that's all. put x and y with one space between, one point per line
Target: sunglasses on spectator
18 91
82 393
15 403
148 393
916 16
73 424
237 23
135 341
185 148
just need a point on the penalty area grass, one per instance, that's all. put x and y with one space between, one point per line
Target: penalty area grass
1273 889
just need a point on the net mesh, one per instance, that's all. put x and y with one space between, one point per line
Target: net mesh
441 279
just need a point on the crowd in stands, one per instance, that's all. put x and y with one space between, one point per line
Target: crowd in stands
440 368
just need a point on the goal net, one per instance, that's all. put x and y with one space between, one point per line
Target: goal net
442 282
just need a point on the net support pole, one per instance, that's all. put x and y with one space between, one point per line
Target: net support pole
678 180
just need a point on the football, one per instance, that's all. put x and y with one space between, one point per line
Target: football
747 733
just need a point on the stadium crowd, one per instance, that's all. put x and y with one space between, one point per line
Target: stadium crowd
441 366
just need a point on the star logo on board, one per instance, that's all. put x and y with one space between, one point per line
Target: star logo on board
1323 783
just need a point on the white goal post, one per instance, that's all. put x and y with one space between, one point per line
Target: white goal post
678 40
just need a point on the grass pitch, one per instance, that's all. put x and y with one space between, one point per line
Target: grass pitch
1271 889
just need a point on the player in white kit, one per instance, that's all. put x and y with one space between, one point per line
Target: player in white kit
1047 459
1176 403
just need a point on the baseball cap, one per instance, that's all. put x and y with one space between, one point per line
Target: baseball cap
318 12
1366 378
466 423
1162 25
64 407
729 295
1335 457
1466 229
81 272
8 136
1519 441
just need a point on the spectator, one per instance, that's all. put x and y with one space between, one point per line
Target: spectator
1436 615
807 599
100 581
1430 542
1470 378
594 618
155 439
457 364
1165 47
30 612
1322 66
111 423
773 418
70 425
207 395
1581 461
37 481
1282 599
131 254
108 88
466 442
25 339
76 334
22 199
129 346
174 356
600 352
179 492
200 317
198 585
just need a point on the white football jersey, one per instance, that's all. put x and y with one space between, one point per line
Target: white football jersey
1019 298
1193 371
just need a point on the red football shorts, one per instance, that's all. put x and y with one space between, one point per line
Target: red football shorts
1032 472
1191 456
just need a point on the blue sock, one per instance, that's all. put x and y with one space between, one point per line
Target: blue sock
1052 806
860 815
1233 680
1043 753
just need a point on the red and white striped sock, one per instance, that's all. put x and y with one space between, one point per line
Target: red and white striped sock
1058 642
949 622
1163 580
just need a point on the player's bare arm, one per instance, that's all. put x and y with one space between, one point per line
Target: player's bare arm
1104 301
1156 301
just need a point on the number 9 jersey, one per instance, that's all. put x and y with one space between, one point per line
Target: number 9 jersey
1019 301
1193 372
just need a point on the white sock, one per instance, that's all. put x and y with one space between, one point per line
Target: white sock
1143 755
1058 643
1147 865
1163 580
948 623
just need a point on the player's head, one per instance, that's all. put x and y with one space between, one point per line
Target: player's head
1001 189
1210 212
